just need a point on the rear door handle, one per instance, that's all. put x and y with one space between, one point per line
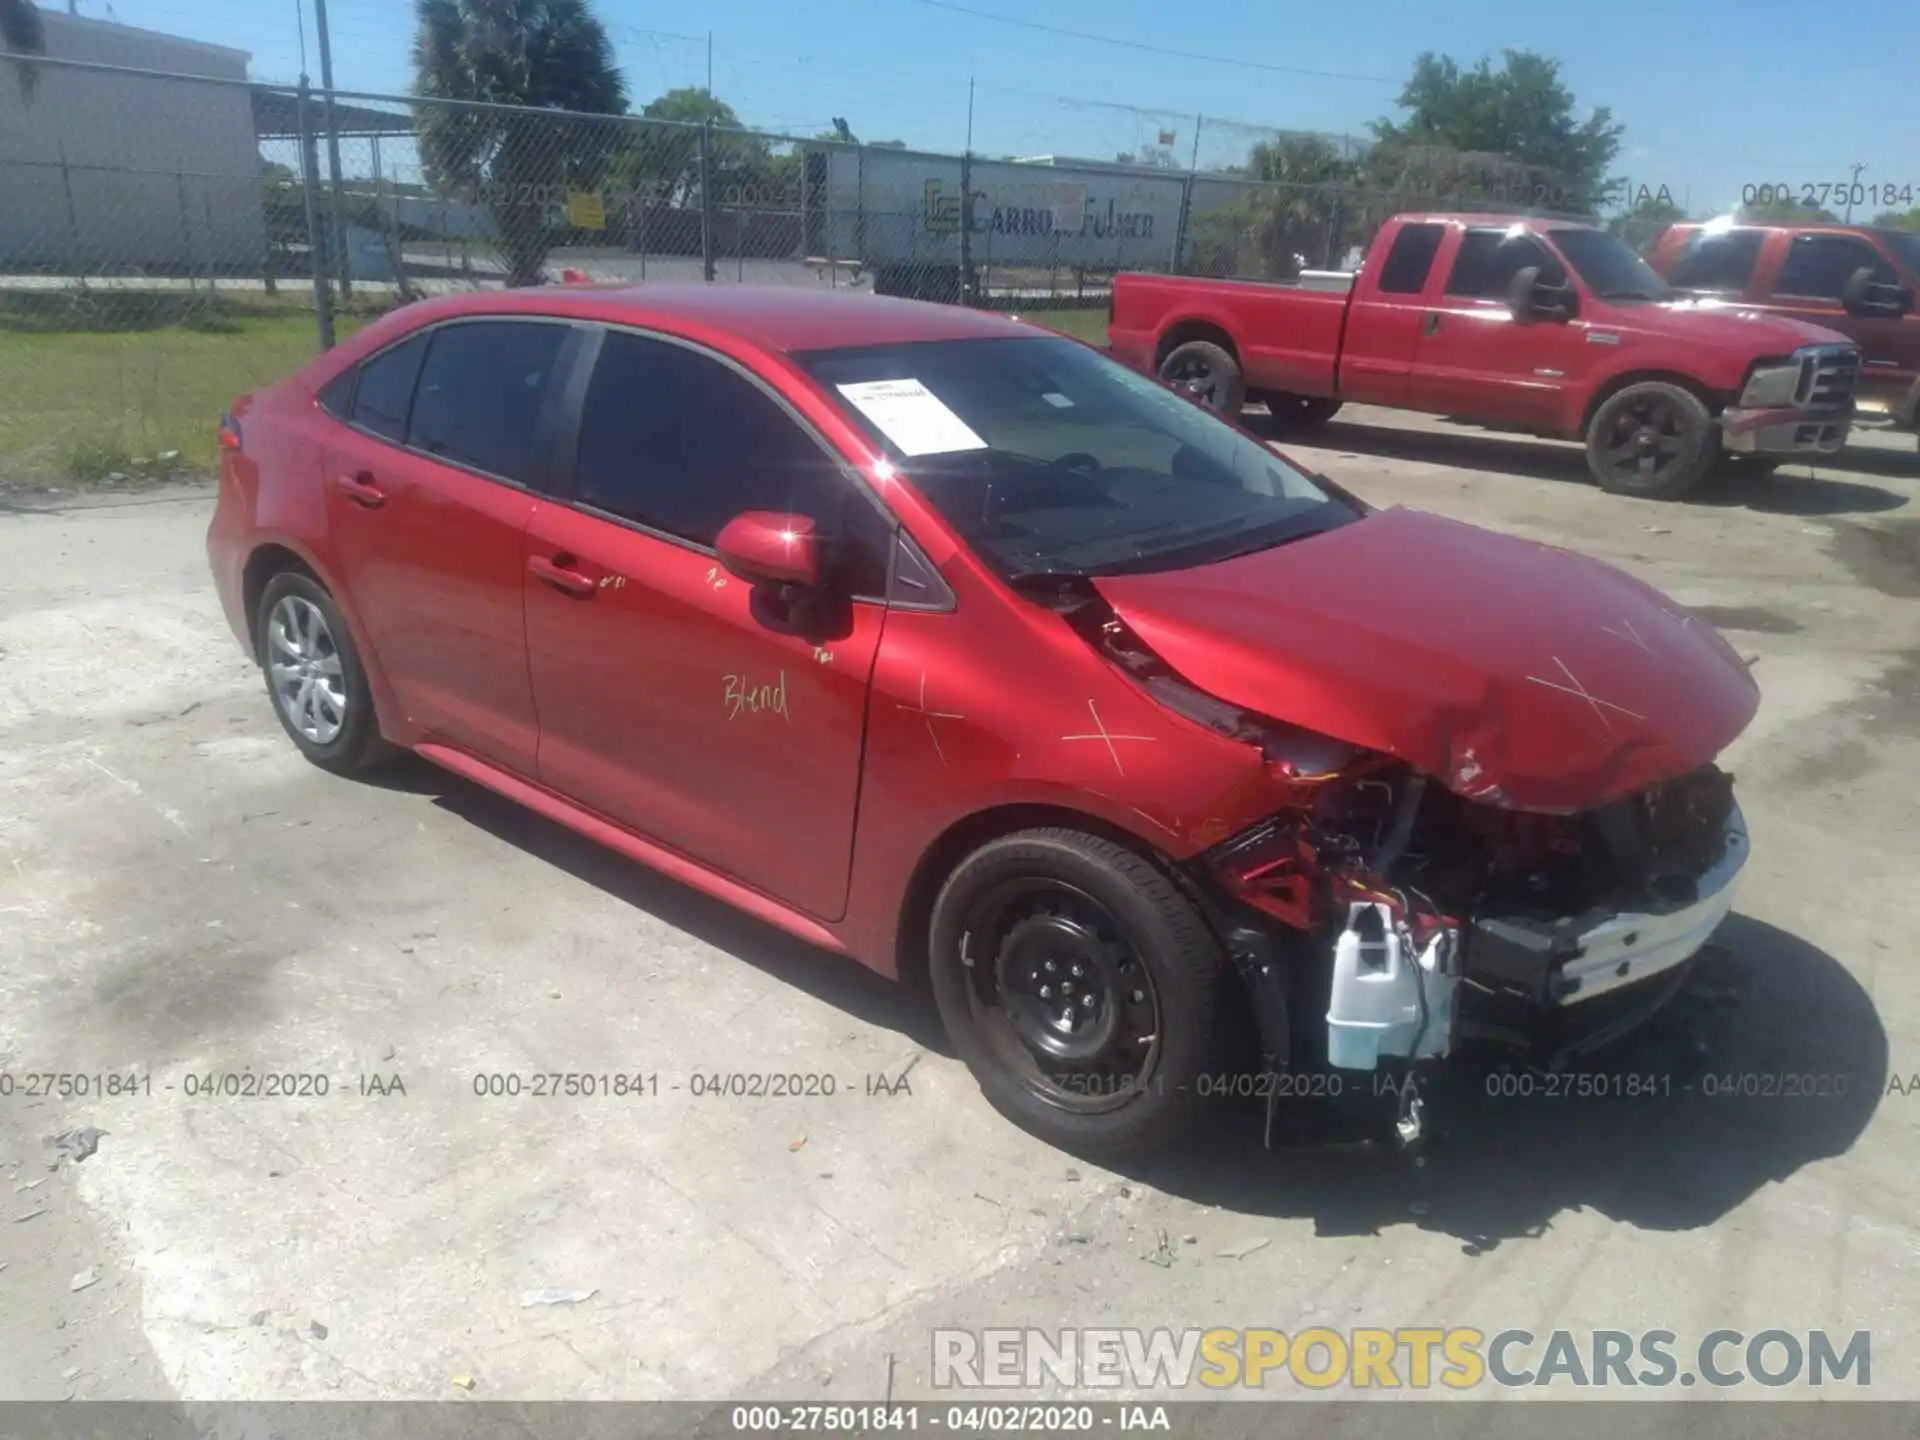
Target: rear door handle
1431 323
562 576
362 490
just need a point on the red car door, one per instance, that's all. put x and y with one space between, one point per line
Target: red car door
674 698
428 496
1474 360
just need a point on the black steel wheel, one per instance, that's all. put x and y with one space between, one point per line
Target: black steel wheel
1206 372
1653 440
1079 985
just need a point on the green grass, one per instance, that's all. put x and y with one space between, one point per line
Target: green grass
1089 325
109 383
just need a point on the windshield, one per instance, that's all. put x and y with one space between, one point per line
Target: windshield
1610 269
1905 244
1049 458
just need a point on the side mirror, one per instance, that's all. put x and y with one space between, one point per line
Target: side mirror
1529 299
764 547
1862 295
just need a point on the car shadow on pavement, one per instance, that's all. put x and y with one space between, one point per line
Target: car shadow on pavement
1772 1058
1792 493
831 979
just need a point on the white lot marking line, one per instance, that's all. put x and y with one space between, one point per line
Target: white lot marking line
1576 688
1102 734
929 716
166 813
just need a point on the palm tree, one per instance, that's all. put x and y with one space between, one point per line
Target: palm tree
539 54
1292 214
22 33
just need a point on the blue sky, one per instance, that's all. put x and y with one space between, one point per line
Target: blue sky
1715 94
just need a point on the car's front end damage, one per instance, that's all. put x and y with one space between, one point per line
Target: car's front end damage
1388 922
1493 830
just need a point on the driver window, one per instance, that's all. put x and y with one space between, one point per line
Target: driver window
679 442
1489 259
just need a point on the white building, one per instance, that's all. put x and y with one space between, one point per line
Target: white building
104 172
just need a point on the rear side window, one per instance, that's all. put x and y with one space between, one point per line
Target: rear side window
1405 271
386 390
1489 259
481 394
336 396
1820 265
1722 260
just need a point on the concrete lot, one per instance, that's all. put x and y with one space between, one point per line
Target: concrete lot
181 895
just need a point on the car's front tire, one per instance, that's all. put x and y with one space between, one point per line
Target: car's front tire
1080 988
314 677
1653 440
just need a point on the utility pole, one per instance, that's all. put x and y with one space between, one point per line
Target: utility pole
337 227
709 64
966 207
1858 167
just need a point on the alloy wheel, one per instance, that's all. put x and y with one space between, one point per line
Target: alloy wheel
1646 440
1195 377
303 659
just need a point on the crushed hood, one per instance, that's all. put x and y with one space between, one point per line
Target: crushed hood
1513 672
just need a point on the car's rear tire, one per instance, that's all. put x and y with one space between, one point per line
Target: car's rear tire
1208 373
315 681
1080 988
1653 439
1300 412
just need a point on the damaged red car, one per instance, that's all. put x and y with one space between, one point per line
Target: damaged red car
952 645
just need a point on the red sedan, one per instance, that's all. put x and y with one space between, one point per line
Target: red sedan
950 644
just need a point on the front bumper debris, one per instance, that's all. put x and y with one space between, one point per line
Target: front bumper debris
1523 981
1788 430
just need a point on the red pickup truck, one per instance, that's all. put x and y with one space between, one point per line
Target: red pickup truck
1858 280
1543 326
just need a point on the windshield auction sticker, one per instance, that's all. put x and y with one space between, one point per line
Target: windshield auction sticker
912 417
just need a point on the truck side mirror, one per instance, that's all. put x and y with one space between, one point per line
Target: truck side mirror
1528 299
1862 295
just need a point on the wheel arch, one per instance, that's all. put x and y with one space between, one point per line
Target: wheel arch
1193 328
265 561
275 554
1614 384
982 827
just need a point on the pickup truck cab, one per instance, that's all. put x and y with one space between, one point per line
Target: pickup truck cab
1544 326
1857 280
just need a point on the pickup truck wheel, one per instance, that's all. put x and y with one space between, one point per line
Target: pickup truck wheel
1207 373
1653 440
1300 412
1079 986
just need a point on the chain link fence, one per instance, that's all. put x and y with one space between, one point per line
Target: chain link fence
168 241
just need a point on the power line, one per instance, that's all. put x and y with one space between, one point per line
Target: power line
1153 49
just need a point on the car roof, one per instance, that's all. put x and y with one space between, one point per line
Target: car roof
774 317
1488 220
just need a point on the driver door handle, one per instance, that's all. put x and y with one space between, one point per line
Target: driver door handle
361 489
1430 322
562 576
